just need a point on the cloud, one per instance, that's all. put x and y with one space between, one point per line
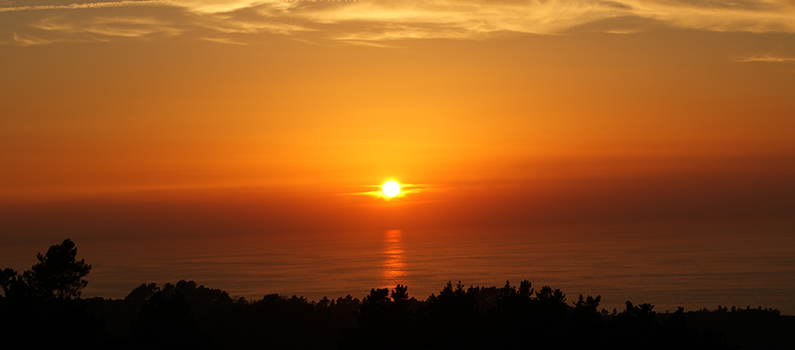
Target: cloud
760 16
380 21
621 31
376 191
245 26
94 5
768 57
223 41
110 26
29 40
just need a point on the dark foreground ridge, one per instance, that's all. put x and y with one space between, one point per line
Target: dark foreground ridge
42 309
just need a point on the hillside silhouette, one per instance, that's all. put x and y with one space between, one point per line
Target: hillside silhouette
42 309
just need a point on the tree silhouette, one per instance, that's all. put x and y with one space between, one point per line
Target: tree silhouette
585 311
58 273
452 319
42 308
13 285
384 322
142 293
165 321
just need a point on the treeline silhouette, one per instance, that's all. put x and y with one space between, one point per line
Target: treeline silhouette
41 309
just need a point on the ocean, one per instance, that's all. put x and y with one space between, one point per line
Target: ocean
689 264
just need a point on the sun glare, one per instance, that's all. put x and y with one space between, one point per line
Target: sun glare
391 189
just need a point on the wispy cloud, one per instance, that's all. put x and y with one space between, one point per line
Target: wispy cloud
234 26
768 57
29 40
224 41
379 21
110 26
621 31
376 191
92 5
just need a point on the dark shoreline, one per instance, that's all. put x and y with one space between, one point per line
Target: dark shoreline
189 315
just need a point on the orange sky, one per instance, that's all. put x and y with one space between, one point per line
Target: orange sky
252 116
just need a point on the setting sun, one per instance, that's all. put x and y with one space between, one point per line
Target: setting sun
391 189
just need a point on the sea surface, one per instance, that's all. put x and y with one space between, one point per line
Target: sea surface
689 264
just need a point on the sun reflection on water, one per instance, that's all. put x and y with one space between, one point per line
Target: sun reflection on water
394 270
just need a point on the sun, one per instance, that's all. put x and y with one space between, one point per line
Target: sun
391 189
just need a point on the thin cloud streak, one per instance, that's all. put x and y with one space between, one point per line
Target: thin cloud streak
29 41
224 41
207 6
770 57
120 27
93 5
377 192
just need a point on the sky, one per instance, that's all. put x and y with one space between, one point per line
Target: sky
180 118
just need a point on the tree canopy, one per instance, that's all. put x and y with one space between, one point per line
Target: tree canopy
57 275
